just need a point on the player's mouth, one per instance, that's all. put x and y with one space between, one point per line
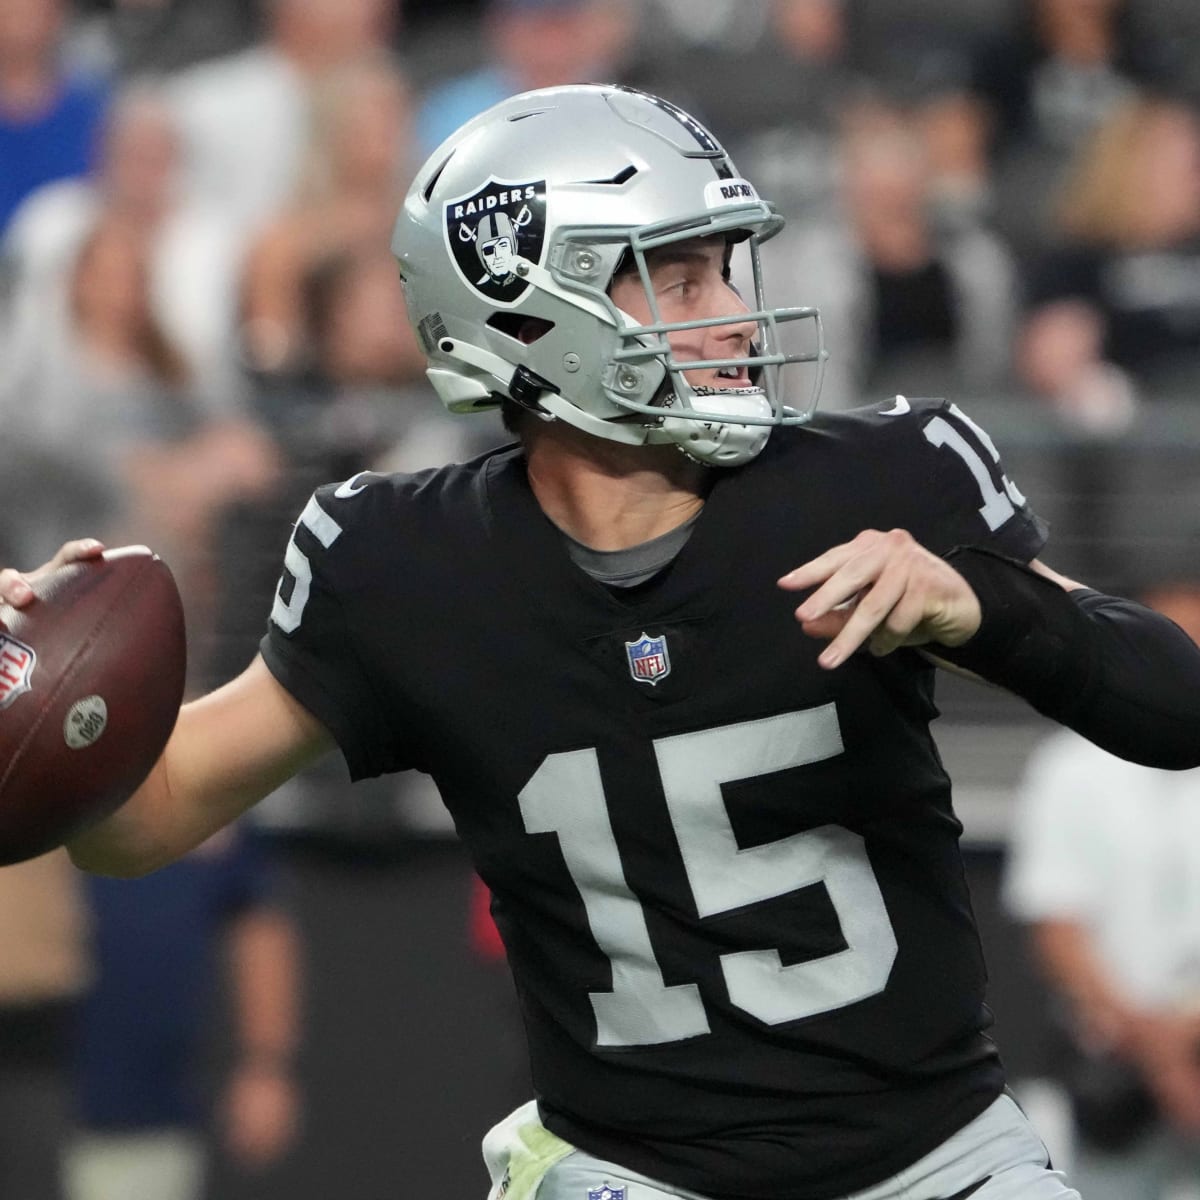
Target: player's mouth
733 377
724 380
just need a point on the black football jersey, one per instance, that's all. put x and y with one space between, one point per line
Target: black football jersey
728 881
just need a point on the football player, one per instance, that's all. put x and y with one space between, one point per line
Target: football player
670 659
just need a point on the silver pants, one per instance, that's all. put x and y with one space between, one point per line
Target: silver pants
999 1146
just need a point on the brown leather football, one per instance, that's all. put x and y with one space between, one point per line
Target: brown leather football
91 678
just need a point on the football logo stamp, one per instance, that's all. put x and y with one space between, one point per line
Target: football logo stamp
17 661
490 228
85 722
648 659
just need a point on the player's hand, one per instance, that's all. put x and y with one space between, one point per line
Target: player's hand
16 586
883 590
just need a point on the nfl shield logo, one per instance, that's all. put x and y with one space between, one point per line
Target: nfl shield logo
606 1192
17 661
648 659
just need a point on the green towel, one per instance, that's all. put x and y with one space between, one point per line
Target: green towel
534 1152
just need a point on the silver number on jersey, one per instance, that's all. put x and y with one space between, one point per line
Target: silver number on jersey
722 876
566 796
287 614
997 505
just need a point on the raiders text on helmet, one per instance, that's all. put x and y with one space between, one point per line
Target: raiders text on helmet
520 220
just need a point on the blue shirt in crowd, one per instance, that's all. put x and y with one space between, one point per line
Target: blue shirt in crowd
61 142
147 1014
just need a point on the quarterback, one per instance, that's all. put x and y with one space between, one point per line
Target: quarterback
670 658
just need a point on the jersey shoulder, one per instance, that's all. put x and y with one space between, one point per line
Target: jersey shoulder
886 421
363 552
926 466
371 504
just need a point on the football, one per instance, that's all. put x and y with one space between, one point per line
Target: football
91 678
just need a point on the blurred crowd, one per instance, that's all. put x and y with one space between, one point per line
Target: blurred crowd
199 316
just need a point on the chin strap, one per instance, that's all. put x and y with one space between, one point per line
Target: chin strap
527 389
721 439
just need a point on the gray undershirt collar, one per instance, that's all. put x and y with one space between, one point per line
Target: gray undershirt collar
635 564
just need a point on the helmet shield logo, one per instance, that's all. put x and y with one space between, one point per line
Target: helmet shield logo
489 229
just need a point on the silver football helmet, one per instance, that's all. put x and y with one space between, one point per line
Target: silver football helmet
518 223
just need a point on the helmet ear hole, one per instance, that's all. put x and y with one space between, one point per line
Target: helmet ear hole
524 329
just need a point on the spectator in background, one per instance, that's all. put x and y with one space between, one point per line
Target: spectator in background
245 117
359 389
910 305
194 254
1105 866
774 80
131 38
685 27
355 171
44 967
101 432
530 44
1114 314
147 1022
1047 87
774 98
49 120
372 365
915 58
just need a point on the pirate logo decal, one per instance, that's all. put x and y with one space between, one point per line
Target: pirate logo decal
488 230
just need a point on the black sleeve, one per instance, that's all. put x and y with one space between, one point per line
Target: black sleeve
310 644
960 493
1120 674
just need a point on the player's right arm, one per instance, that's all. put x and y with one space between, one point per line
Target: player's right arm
228 750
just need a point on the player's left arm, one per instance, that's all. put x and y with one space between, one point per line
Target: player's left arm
1120 674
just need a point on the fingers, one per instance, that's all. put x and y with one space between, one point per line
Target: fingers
897 630
16 588
872 609
76 551
848 603
882 590
817 570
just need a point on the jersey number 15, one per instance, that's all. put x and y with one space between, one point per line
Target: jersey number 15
566 797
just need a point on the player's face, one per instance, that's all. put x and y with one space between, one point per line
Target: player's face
689 284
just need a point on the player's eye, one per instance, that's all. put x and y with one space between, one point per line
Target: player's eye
680 287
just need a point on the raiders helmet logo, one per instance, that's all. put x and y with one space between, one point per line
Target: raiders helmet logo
489 229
